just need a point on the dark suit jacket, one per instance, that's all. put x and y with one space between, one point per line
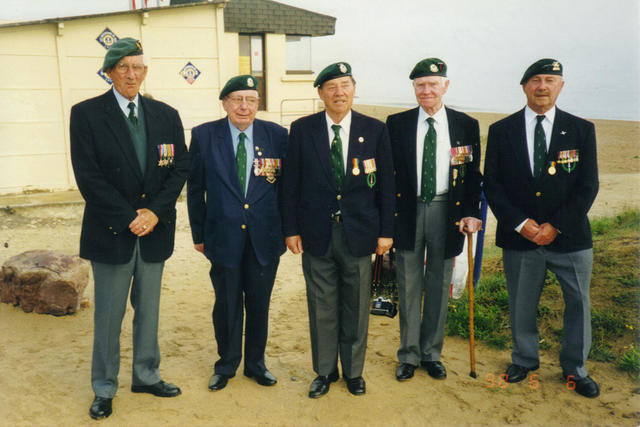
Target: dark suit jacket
310 195
218 222
110 180
562 199
464 196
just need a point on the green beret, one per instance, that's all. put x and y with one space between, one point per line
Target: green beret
333 71
429 67
123 47
542 66
243 82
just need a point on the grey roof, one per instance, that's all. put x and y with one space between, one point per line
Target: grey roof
266 16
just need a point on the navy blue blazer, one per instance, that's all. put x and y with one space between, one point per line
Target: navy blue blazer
464 190
111 181
562 198
222 217
309 191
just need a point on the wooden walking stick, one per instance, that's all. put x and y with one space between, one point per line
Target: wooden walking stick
472 356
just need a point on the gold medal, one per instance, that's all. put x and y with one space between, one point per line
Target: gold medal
355 171
552 170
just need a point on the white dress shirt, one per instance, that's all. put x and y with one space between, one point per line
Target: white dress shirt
345 126
530 120
443 148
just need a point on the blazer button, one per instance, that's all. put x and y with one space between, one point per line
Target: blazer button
399 195
115 233
458 203
538 194
110 228
395 214
457 222
246 206
144 196
243 226
339 197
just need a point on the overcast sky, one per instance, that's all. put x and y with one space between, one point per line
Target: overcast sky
486 44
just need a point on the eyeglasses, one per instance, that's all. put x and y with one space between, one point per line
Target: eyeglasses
252 101
123 68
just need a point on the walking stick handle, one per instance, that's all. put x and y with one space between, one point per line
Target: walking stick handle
472 357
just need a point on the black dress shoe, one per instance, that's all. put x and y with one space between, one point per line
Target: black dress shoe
160 389
405 371
435 369
321 384
100 408
266 378
356 386
585 386
218 382
516 373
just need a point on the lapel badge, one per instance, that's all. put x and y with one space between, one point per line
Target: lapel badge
563 132
259 153
343 68
360 139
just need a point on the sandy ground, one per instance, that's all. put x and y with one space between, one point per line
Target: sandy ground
45 360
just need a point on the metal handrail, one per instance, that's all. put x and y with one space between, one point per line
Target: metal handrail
315 102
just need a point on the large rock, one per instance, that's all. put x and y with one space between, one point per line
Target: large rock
44 281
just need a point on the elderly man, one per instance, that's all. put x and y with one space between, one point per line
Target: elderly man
337 211
130 163
436 155
541 179
233 188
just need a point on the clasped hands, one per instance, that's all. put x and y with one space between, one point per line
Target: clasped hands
294 243
144 223
541 235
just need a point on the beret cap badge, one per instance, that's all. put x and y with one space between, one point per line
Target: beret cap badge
343 68
249 82
433 68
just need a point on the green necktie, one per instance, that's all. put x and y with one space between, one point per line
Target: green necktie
132 113
241 162
539 148
428 184
336 157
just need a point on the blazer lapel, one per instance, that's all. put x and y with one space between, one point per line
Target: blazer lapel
115 120
519 145
321 143
558 134
224 158
262 141
410 145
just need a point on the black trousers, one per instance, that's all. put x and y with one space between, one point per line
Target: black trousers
245 287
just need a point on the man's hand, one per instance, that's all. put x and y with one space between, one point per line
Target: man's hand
530 229
199 247
546 235
144 223
384 244
294 243
469 224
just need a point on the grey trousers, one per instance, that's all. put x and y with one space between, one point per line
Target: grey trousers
112 283
525 273
422 336
338 292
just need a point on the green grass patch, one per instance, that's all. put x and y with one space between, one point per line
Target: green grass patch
615 298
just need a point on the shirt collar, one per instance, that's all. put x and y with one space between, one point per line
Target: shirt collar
530 115
124 102
439 116
345 123
235 132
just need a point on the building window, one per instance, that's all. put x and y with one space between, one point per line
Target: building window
299 55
